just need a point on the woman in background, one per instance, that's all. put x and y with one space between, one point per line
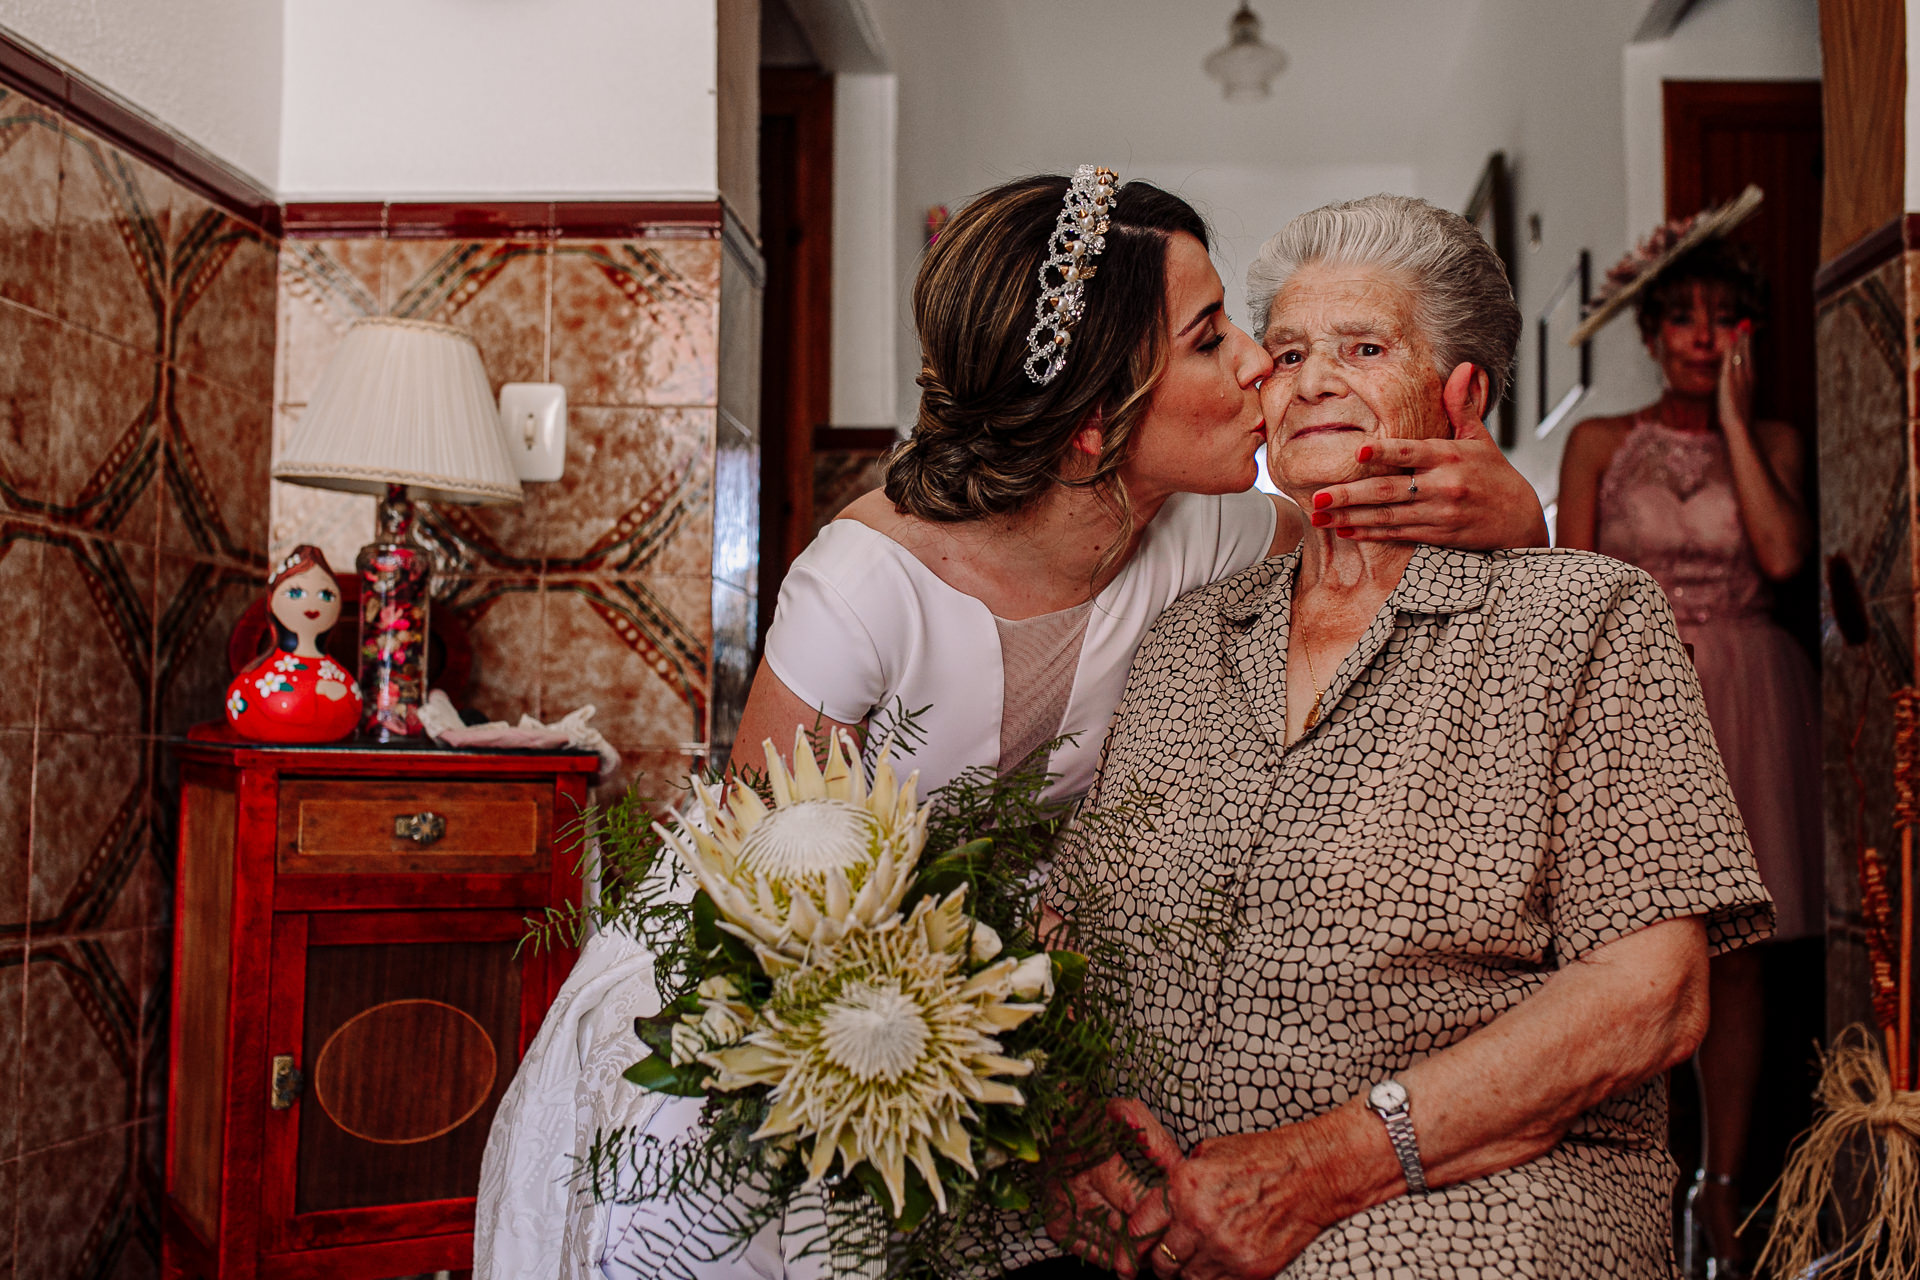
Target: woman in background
1710 501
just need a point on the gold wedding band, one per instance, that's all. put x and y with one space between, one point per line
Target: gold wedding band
1739 359
1172 1257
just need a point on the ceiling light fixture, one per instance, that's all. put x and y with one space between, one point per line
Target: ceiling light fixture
1246 65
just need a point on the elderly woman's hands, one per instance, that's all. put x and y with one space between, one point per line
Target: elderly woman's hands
1463 492
1242 1207
1090 1211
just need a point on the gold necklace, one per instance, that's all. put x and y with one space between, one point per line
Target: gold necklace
1313 712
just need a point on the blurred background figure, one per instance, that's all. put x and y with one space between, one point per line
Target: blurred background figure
1711 501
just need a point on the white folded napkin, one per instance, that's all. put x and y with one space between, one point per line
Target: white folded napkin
442 722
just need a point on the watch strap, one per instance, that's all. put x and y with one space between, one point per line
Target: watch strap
1399 1122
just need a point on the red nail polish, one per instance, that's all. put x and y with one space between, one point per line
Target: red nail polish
1322 500
1366 453
1746 326
1321 519
1344 532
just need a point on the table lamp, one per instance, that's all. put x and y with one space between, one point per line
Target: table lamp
403 411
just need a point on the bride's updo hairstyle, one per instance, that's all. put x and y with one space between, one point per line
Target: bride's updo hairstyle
989 440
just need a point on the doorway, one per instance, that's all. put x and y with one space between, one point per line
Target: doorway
796 231
1723 134
1720 136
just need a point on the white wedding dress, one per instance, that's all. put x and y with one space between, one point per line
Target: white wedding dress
533 1222
861 625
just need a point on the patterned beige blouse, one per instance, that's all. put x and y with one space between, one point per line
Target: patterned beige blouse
1512 768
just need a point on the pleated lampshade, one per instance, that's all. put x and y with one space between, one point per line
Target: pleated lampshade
403 402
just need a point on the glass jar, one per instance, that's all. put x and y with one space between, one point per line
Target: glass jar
395 578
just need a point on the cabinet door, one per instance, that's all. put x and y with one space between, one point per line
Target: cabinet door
407 1027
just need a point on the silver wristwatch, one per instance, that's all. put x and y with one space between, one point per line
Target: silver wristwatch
1389 1098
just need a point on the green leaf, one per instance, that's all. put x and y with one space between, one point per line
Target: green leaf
655 1033
1069 970
919 1202
970 852
958 866
656 1073
736 950
706 922
1003 1193
1009 1131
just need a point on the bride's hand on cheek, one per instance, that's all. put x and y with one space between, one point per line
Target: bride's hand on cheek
1454 492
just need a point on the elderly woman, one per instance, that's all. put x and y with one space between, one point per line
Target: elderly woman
1445 847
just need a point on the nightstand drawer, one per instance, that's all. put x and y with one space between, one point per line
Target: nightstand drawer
353 826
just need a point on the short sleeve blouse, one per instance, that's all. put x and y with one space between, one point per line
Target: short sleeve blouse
1512 768
862 626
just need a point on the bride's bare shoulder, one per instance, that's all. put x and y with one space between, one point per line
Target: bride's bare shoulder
931 544
874 511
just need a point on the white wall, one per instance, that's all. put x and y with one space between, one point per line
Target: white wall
209 70
865 305
1546 89
993 89
1721 40
523 99
1913 105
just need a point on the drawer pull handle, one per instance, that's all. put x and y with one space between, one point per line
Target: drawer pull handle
421 828
286 1084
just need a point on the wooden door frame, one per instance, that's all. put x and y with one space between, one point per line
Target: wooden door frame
786 428
1691 105
1697 110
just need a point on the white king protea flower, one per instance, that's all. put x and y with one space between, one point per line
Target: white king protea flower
831 854
879 1046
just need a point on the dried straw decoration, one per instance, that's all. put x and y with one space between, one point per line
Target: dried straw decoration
1863 1115
1869 1112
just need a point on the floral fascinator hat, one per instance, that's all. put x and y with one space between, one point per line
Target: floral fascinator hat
1627 278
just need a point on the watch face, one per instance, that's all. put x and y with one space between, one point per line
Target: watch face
1388 1095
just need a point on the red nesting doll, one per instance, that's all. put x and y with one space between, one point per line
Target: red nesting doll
294 692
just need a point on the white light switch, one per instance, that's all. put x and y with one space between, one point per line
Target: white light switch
533 416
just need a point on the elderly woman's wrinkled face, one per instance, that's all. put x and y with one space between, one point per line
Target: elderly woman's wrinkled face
1350 365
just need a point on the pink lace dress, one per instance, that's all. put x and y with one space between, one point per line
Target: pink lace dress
1667 504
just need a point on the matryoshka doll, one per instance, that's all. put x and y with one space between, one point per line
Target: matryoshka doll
294 692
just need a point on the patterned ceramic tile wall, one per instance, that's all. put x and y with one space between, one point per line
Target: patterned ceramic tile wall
136 395
1865 538
597 588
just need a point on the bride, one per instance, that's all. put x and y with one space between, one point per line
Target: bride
1084 455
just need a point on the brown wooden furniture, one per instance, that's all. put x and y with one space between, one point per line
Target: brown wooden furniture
349 996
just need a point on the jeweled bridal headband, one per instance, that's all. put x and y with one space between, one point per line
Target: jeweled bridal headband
1079 234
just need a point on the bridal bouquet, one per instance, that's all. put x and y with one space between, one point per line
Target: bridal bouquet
858 987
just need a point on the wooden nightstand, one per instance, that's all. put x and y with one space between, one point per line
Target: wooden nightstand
348 1004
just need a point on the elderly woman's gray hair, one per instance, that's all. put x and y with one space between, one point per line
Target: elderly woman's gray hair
1463 303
